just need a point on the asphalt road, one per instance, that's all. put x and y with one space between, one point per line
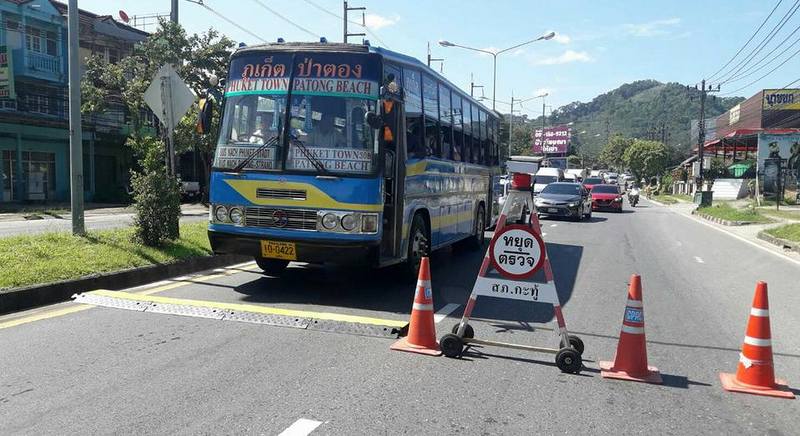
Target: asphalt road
92 222
74 370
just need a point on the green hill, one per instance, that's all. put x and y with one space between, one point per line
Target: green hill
635 109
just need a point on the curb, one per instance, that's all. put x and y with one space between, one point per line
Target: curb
41 295
656 202
724 222
783 243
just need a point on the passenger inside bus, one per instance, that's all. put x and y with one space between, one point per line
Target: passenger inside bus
326 134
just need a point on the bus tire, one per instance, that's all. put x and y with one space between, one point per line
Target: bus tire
272 267
419 246
478 238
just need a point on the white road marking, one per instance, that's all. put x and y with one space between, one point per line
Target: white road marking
544 234
698 259
553 225
443 312
301 427
699 221
679 243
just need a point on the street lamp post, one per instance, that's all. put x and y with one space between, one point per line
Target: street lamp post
494 54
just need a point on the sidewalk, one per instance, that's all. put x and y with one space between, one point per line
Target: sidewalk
62 211
747 233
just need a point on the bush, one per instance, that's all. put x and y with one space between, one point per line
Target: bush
156 196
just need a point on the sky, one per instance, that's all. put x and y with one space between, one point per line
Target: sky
598 47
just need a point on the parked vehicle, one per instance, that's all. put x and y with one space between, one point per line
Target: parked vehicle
579 173
589 182
633 196
606 197
545 176
190 191
564 199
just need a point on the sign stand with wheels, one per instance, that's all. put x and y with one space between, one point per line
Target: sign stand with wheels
516 253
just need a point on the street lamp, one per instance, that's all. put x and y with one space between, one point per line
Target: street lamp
494 54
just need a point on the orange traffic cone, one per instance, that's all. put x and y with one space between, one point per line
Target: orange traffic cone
630 361
755 373
421 329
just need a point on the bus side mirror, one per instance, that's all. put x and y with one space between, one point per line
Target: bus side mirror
204 115
373 120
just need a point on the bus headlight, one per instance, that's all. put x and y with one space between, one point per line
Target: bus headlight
369 223
221 214
236 216
330 221
349 222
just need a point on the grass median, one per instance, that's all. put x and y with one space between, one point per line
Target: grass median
37 259
672 199
790 232
727 212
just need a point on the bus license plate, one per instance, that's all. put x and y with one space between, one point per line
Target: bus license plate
278 250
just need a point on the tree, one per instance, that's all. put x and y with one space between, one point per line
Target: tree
646 159
613 151
196 58
717 169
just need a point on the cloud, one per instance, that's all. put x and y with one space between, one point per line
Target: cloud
652 28
377 22
567 57
562 38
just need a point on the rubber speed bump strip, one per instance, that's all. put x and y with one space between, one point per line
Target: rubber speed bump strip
333 322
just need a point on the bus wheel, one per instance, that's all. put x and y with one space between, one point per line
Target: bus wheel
479 232
272 267
418 246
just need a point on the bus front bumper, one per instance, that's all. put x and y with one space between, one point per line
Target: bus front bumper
316 251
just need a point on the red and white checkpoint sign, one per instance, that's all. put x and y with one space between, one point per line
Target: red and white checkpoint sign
517 252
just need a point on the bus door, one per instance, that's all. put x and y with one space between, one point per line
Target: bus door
393 141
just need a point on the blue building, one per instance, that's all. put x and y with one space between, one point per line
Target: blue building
34 130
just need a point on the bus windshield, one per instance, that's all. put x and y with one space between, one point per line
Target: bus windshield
327 132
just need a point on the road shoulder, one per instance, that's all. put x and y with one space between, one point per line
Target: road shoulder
746 233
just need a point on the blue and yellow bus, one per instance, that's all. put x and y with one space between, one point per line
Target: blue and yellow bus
343 153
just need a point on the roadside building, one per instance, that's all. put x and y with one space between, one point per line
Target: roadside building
34 129
763 127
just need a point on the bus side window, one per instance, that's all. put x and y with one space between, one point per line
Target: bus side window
445 122
482 144
458 129
476 135
415 128
430 105
467 130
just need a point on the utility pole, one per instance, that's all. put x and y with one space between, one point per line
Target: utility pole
511 125
472 86
173 15
75 130
347 9
701 129
432 59
543 124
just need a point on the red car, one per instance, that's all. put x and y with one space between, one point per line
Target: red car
589 182
606 197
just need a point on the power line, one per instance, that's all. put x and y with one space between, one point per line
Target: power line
748 41
332 14
228 20
750 71
750 56
766 74
274 12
